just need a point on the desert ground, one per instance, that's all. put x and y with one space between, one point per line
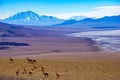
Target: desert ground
72 58
74 66
48 45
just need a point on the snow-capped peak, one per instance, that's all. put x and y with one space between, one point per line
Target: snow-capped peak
78 17
28 18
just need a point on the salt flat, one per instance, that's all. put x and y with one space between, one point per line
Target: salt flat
108 40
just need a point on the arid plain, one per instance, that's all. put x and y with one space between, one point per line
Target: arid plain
72 59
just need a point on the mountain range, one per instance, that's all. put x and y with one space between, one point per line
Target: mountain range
33 19
108 21
12 30
30 18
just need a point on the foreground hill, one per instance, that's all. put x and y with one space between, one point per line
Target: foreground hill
8 30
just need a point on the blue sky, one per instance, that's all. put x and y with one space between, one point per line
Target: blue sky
61 8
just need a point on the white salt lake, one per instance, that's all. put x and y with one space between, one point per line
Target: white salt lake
108 40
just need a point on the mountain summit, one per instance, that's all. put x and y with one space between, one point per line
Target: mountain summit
31 18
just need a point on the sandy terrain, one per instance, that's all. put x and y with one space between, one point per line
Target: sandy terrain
84 66
46 45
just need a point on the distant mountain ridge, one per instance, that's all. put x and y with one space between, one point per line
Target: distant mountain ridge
71 21
89 22
31 18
